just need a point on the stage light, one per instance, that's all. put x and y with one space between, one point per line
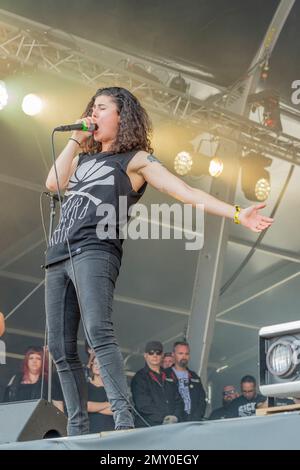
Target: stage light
204 165
279 360
3 95
32 104
183 163
197 165
178 83
270 102
215 167
262 189
255 179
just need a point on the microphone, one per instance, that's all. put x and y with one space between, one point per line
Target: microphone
81 126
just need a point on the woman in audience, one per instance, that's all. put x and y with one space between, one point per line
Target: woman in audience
32 382
99 409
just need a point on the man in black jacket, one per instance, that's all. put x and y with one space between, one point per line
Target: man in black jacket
188 382
155 395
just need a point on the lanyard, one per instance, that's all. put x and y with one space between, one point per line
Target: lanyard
163 378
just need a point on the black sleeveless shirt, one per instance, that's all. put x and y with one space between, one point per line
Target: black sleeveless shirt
99 180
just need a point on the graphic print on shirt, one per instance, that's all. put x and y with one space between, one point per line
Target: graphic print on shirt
79 198
184 390
247 410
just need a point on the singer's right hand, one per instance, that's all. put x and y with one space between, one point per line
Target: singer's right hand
81 136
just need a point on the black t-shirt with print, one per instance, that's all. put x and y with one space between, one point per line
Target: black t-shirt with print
241 407
91 203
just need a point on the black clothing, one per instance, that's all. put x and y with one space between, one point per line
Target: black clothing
241 407
16 391
99 180
220 413
98 421
197 395
155 396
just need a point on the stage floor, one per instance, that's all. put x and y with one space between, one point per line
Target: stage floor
278 432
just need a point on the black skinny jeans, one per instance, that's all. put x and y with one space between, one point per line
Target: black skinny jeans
96 273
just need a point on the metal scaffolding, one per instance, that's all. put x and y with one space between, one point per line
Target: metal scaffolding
211 260
25 44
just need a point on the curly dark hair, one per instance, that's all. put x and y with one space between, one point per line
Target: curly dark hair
135 126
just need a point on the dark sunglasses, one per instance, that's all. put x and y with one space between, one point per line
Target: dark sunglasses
157 352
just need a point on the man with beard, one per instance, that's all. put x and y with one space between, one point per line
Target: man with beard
229 394
188 382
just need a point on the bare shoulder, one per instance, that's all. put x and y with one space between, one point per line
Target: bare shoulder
142 159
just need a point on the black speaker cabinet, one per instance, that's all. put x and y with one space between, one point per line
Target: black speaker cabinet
30 420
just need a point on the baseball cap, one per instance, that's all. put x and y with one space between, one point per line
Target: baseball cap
153 346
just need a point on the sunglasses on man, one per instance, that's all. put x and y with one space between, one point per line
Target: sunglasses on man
156 351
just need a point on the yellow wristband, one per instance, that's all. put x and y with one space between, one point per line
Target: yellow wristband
236 215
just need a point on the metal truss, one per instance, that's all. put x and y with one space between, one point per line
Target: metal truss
27 44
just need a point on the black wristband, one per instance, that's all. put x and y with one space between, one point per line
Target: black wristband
71 138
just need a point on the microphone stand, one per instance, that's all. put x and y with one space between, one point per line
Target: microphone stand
52 215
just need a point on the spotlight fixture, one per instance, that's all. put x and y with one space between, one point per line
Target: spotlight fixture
32 104
215 168
178 83
183 163
3 95
262 189
255 179
197 164
269 100
279 360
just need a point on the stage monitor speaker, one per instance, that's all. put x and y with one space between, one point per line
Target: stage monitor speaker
30 420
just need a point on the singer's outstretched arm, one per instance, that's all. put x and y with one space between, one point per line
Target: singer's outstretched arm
160 178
